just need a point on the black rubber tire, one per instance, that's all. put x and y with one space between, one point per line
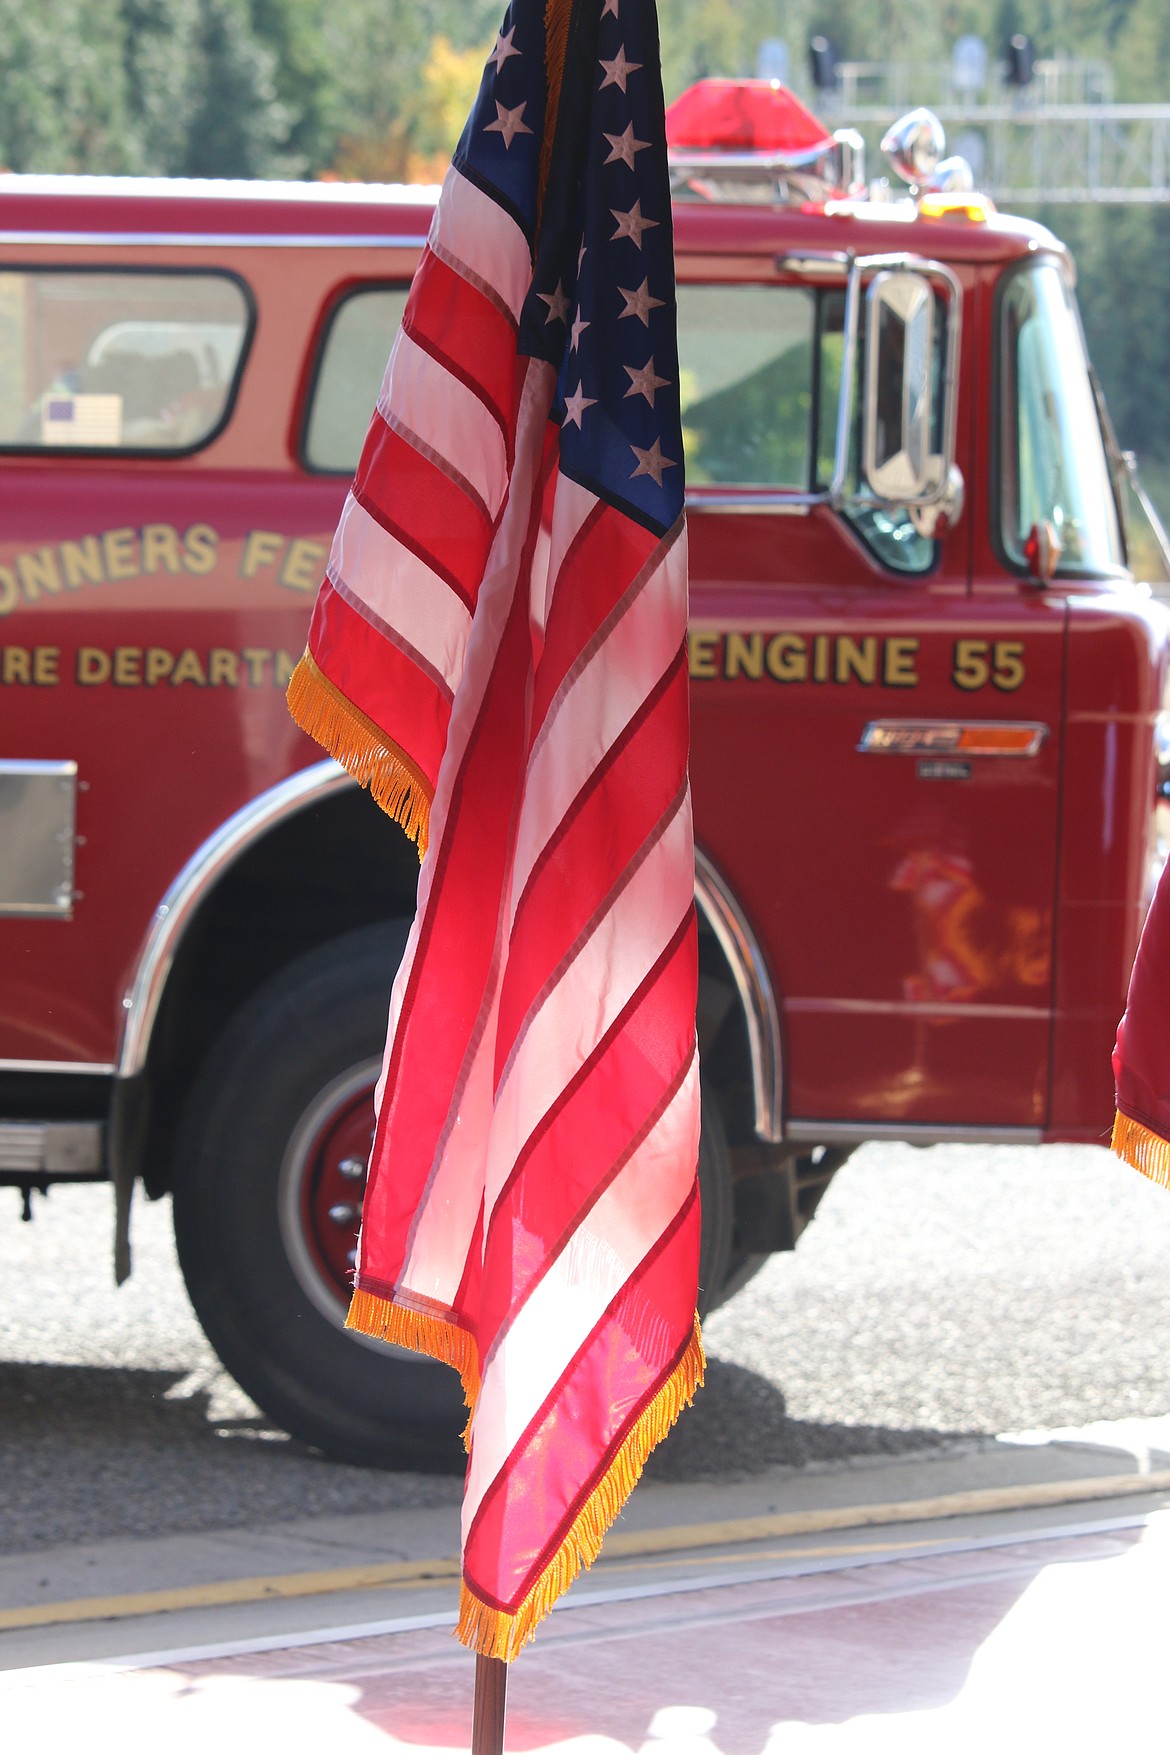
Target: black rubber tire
356 1401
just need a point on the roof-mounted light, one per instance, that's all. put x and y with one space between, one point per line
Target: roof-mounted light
914 146
750 139
744 115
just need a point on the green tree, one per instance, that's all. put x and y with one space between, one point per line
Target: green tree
238 127
65 92
304 79
162 63
378 51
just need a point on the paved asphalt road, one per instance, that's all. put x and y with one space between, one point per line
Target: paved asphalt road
940 1294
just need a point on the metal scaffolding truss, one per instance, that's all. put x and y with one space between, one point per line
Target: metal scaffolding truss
1116 153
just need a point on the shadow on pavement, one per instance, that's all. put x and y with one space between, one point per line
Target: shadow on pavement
89 1453
739 1426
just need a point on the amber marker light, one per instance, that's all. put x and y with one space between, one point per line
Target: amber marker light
1000 740
942 205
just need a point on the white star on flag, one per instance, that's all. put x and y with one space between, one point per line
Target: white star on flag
580 325
625 147
503 50
575 406
631 224
618 70
610 9
639 302
644 382
558 304
651 462
508 122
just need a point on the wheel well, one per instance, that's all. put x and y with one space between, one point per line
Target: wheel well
336 865
723 1039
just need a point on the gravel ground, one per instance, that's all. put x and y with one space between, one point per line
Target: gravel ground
941 1295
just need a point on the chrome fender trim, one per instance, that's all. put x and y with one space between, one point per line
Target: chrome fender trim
306 787
740 946
193 884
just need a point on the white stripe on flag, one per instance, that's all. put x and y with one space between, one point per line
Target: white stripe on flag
448 417
564 1309
472 231
450 1215
595 705
571 1020
572 504
401 590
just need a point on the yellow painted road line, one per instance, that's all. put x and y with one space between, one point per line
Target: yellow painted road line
392 1575
622 1544
1034 1495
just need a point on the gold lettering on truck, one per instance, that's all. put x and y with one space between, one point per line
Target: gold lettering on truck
868 660
295 563
888 661
154 667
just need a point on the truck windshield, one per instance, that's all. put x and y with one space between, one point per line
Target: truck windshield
1054 468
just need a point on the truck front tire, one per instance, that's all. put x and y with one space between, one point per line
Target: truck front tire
267 1191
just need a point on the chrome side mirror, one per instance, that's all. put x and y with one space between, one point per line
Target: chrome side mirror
899 405
938 516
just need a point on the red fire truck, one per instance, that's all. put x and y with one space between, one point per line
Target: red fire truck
926 694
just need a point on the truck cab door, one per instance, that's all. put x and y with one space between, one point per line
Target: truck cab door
876 755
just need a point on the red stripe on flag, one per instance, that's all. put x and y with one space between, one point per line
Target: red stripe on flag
416 501
612 1102
609 821
369 668
608 552
469 335
572 1441
456 945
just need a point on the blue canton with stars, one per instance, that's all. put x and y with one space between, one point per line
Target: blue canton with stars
602 305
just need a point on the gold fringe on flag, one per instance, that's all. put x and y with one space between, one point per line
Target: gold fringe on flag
422 1333
1140 1146
374 760
496 1633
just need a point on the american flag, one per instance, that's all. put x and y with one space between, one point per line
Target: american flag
498 650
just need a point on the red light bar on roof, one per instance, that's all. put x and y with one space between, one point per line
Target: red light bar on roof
744 115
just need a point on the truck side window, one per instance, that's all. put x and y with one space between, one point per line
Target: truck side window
1053 467
746 376
350 367
118 360
760 379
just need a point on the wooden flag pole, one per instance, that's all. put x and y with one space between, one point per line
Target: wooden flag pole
487 1714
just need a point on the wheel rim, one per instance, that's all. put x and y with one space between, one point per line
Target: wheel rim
322 1182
